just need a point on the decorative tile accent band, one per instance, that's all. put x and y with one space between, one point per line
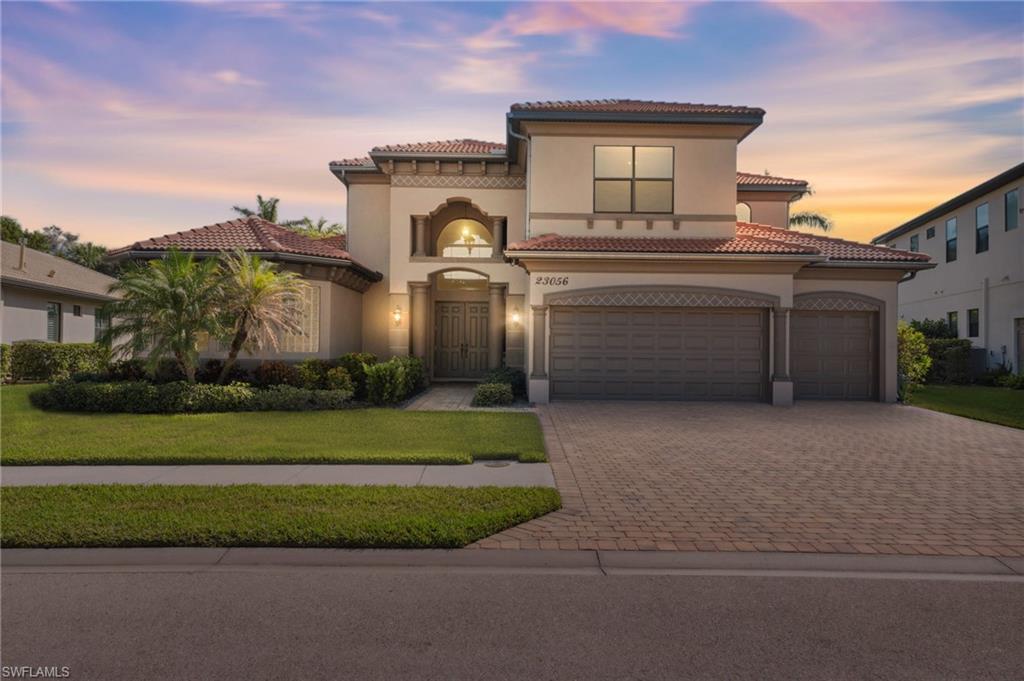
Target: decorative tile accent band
655 298
460 181
834 302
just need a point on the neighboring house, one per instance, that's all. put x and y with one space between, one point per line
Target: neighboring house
978 286
599 250
331 318
46 298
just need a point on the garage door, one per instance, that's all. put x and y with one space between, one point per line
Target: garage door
648 353
834 355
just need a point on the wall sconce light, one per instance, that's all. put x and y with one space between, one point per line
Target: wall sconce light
515 316
397 315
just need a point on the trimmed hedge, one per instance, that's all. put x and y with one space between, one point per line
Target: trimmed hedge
353 363
270 373
141 397
950 360
39 361
392 381
5 362
493 395
514 377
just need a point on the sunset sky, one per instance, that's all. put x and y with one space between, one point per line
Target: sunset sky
128 120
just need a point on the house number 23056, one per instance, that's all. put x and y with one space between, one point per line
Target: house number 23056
552 281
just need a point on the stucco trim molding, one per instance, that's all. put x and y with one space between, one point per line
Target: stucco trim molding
662 296
839 301
460 181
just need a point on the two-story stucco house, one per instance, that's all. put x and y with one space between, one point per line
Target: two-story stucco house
598 249
978 284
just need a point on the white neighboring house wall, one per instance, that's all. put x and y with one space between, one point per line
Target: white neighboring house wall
990 281
30 281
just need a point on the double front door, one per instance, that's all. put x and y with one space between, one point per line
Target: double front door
460 340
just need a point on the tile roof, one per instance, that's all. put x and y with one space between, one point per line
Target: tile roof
750 239
623 244
251 234
42 270
460 146
766 180
364 162
339 241
632 106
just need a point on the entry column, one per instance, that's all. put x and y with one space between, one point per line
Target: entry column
498 235
420 235
782 385
539 331
495 325
420 305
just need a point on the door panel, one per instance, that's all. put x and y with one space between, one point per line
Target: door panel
658 353
460 340
834 355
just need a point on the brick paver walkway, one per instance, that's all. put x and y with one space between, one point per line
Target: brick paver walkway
819 477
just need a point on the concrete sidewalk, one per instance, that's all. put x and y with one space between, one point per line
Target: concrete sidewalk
479 474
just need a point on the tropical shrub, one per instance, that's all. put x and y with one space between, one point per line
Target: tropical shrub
5 362
313 373
514 377
912 360
414 375
950 360
353 363
166 371
213 368
1015 381
179 397
934 328
385 382
994 375
39 361
493 395
272 372
127 370
337 378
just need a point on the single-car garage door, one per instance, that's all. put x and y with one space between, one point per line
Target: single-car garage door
651 353
834 355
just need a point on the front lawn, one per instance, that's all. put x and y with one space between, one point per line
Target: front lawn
388 436
996 405
253 515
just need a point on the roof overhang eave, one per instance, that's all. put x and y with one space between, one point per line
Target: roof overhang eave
365 272
696 257
878 264
40 286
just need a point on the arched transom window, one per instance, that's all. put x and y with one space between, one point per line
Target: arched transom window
464 238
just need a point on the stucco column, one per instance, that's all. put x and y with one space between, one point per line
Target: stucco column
782 386
539 331
498 235
420 316
420 237
495 325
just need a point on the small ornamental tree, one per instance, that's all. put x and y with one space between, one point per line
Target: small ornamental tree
912 360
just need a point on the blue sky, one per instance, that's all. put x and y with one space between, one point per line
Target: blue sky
127 120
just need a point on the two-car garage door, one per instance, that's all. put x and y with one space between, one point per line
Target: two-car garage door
652 353
683 353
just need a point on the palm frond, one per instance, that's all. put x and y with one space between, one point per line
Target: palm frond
812 220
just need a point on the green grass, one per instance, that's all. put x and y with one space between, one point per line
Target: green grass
252 515
34 437
996 405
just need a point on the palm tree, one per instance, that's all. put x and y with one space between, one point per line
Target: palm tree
258 304
87 254
812 220
165 309
266 209
318 229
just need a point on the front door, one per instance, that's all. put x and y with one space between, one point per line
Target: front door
460 340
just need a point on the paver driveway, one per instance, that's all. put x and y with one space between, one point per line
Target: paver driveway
820 477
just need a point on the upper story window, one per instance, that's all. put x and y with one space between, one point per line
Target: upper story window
465 238
915 243
981 228
929 233
953 319
1011 206
951 240
633 179
973 322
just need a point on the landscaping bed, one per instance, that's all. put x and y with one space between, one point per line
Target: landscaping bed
995 405
253 515
371 436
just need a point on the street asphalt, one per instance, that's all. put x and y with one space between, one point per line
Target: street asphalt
330 622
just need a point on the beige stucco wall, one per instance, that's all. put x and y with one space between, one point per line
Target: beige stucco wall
23 316
961 285
368 227
561 180
774 213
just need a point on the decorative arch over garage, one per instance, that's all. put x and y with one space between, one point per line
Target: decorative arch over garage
662 296
836 301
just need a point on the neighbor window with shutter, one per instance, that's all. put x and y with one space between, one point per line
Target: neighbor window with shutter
1011 208
951 240
915 243
633 179
53 322
308 338
973 322
100 324
953 319
981 228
